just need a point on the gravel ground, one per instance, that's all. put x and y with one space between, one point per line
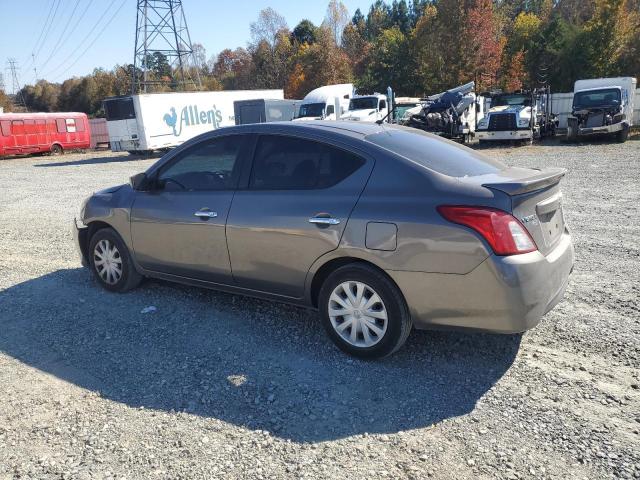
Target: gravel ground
211 385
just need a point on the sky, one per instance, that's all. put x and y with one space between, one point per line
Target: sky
86 34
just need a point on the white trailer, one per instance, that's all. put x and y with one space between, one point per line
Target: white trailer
602 106
155 121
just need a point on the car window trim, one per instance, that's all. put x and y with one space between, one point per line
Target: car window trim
338 145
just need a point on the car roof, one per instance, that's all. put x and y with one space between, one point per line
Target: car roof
340 127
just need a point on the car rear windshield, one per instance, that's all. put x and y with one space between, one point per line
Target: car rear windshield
436 154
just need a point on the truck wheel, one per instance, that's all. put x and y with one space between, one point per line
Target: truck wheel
622 135
56 149
572 134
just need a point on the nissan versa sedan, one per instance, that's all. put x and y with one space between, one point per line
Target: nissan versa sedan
380 228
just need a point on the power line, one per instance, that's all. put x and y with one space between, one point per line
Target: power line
48 29
81 43
95 39
64 30
42 29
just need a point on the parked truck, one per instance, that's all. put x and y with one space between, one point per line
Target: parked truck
155 121
602 106
451 114
322 102
518 116
367 108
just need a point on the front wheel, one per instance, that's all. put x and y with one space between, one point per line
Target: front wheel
111 263
364 312
622 135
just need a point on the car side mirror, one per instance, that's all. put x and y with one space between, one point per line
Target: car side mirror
139 181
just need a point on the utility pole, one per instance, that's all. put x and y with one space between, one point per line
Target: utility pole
162 39
1 83
16 90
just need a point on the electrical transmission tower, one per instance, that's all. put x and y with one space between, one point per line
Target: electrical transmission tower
16 90
163 48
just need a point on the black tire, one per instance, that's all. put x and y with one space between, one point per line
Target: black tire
129 277
398 316
56 149
622 135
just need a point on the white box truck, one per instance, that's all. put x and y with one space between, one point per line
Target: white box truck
602 106
155 121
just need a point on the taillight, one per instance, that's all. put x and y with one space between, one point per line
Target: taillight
504 233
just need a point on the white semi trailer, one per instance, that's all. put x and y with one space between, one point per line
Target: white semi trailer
155 121
602 106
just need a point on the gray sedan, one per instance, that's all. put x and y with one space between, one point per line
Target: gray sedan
380 228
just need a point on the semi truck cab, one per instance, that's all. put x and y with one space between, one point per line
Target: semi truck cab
367 108
510 117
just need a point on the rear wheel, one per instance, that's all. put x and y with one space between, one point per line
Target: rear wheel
111 262
364 312
56 149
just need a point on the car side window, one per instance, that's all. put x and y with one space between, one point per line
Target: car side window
289 163
383 105
210 165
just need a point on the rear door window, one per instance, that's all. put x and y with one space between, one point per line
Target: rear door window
290 163
434 153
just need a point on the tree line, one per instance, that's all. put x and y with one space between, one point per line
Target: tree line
417 47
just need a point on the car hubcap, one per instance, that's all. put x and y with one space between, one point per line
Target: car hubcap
107 262
357 314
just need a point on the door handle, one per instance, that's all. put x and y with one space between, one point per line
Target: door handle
324 220
205 214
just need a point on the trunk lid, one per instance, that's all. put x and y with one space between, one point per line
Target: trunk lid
536 201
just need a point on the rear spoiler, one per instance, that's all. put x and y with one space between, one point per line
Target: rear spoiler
544 179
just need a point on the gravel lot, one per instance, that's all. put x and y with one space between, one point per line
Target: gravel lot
212 385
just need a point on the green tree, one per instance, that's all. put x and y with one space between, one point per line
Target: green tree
304 32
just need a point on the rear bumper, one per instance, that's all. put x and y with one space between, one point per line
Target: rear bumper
502 295
504 135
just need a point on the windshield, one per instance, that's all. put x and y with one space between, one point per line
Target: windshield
364 103
312 110
607 97
506 100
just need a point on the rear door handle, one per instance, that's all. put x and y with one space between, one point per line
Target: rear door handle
205 214
324 220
